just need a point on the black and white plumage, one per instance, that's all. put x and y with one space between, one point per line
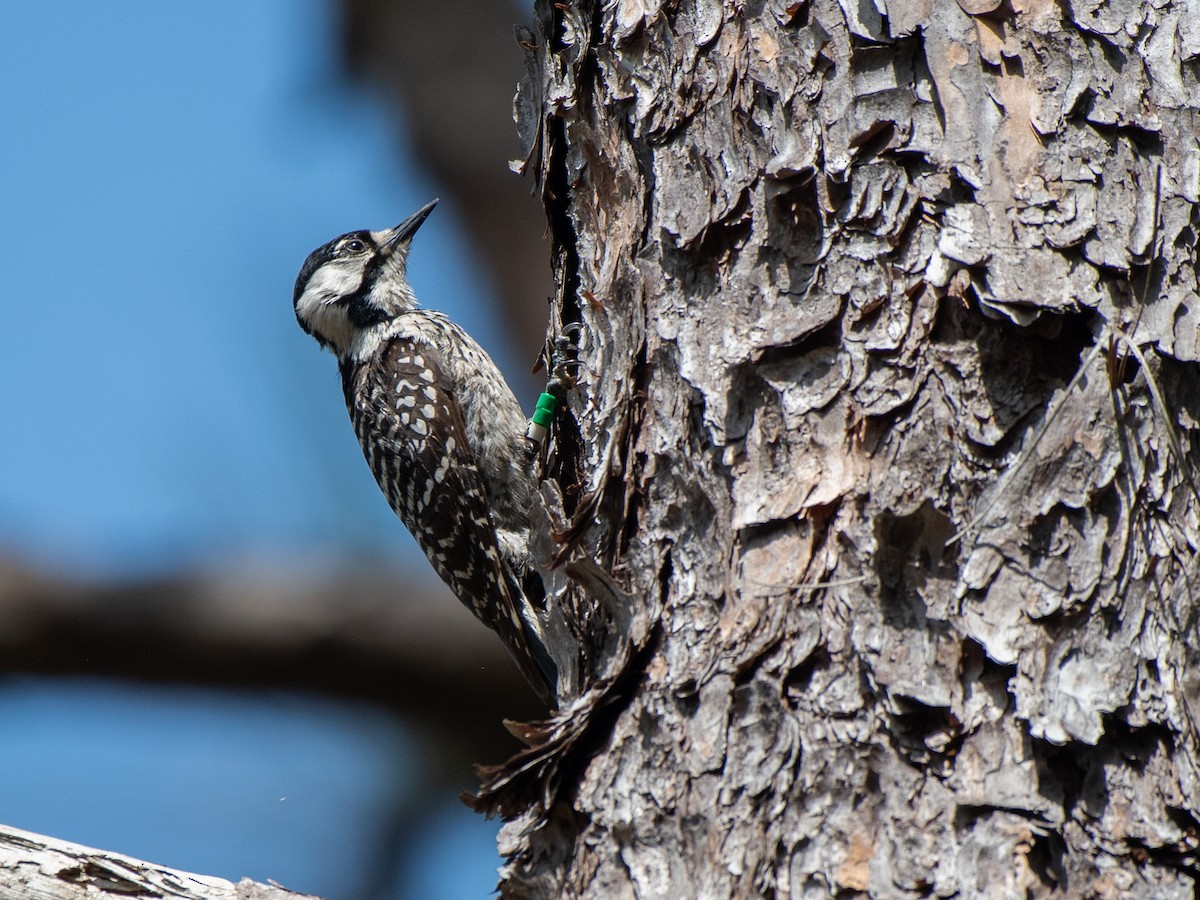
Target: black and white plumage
439 426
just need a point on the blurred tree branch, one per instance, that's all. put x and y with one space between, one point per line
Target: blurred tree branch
367 634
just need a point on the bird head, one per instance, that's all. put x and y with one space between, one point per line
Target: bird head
351 287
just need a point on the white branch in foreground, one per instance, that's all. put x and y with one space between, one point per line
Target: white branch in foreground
36 867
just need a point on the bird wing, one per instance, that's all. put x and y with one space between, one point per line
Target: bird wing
425 466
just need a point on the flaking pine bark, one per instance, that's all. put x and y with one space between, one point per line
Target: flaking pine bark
884 430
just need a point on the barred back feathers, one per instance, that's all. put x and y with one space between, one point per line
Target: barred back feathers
440 429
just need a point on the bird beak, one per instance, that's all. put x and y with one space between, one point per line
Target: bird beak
406 229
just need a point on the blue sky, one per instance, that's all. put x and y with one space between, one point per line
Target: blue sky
164 173
165 170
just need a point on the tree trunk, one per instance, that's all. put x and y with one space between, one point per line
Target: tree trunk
884 423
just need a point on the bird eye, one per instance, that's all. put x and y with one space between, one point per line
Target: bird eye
354 246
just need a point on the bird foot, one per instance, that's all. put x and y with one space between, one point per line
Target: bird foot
563 359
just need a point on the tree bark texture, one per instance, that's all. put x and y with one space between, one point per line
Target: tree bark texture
884 422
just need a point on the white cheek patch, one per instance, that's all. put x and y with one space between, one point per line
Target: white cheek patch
339 278
317 305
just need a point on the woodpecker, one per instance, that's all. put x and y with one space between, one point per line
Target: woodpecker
440 428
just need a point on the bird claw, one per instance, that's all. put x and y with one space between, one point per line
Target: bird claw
563 358
571 328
